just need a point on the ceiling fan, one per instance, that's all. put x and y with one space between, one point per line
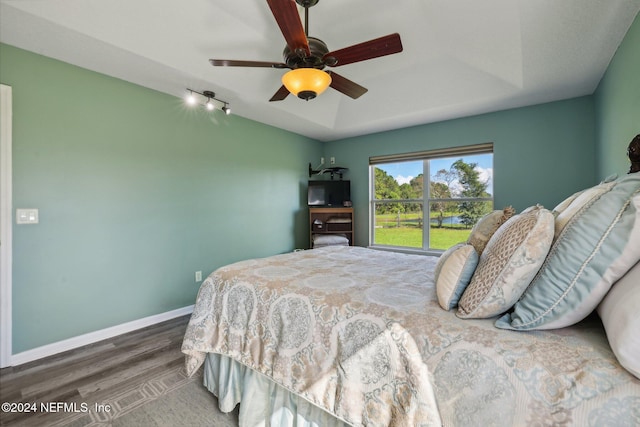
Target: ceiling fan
308 56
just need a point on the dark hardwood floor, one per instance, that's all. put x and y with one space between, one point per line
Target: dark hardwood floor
89 375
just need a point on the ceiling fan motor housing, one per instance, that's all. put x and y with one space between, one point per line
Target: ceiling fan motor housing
295 59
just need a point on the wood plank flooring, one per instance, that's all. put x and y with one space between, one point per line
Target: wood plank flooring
94 373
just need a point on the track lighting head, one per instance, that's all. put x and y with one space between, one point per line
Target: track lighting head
209 102
191 99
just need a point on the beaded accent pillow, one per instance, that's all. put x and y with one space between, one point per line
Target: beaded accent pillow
508 264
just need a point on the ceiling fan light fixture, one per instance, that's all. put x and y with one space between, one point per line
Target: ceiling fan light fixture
306 83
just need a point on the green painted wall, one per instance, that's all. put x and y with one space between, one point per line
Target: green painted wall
135 193
617 101
542 154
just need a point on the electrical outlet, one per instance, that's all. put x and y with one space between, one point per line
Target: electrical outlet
322 160
198 276
333 160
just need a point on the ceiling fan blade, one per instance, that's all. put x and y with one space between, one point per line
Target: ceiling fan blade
288 19
281 94
346 86
375 48
233 63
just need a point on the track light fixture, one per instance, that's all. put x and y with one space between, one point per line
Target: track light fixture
208 103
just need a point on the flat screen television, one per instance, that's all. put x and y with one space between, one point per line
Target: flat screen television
329 193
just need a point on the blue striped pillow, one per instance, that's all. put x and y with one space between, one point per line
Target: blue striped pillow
598 245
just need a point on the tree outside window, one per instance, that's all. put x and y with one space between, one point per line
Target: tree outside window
458 193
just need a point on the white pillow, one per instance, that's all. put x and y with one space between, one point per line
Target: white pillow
329 239
620 315
508 264
574 203
563 205
578 202
453 273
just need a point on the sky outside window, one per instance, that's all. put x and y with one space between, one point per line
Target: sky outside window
403 172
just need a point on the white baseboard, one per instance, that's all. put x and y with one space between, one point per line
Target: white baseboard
92 337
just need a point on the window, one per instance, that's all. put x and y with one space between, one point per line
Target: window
454 186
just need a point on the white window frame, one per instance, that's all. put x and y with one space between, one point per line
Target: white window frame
469 150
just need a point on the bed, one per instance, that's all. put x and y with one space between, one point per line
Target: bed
346 335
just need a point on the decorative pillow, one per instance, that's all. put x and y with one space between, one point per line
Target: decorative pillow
511 259
453 273
563 205
621 318
486 226
596 247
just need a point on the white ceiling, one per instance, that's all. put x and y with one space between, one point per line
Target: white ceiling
460 58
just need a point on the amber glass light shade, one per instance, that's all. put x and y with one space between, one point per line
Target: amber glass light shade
306 83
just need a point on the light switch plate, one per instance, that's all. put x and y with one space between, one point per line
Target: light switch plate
26 216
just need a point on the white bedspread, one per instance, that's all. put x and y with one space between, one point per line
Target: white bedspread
359 333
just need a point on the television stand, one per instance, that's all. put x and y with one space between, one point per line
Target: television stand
327 221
